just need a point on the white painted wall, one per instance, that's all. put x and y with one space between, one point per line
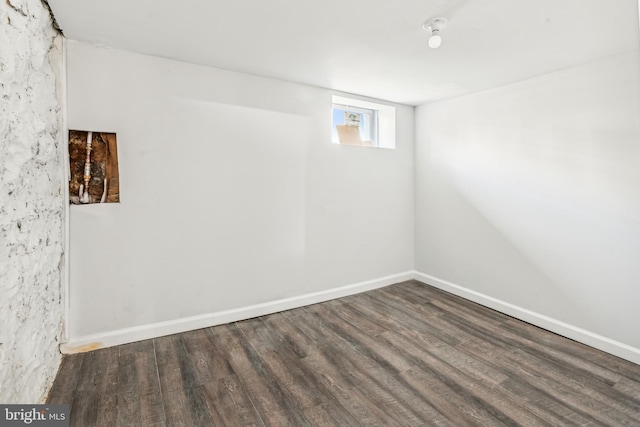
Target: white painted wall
529 194
232 194
31 203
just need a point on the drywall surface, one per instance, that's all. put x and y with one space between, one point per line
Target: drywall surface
31 203
231 191
529 194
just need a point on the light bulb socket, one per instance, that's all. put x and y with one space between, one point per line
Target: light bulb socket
434 25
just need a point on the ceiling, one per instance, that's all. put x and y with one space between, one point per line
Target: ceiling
375 48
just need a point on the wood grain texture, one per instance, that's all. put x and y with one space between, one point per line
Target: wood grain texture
407 354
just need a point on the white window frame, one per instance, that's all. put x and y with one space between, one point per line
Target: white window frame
370 125
382 125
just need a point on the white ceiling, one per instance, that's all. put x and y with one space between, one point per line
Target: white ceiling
369 47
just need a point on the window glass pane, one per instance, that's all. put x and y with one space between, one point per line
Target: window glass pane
364 119
364 123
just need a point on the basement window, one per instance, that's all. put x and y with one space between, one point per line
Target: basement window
363 123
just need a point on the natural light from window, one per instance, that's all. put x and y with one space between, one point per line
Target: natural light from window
362 123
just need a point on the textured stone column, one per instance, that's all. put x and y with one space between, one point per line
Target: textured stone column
31 203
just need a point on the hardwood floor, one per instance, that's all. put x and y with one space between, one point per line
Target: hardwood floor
404 355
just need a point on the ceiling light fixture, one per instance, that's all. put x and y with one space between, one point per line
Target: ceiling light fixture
434 25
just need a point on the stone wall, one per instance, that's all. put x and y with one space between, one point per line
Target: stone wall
31 202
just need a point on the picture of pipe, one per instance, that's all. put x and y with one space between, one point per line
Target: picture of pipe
93 168
104 192
84 189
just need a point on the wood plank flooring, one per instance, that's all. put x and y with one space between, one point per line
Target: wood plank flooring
404 355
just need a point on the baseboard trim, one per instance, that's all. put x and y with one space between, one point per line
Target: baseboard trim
575 333
138 333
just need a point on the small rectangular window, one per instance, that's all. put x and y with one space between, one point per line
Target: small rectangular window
355 126
356 122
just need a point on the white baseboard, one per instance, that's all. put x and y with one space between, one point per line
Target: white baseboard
154 330
600 342
143 332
